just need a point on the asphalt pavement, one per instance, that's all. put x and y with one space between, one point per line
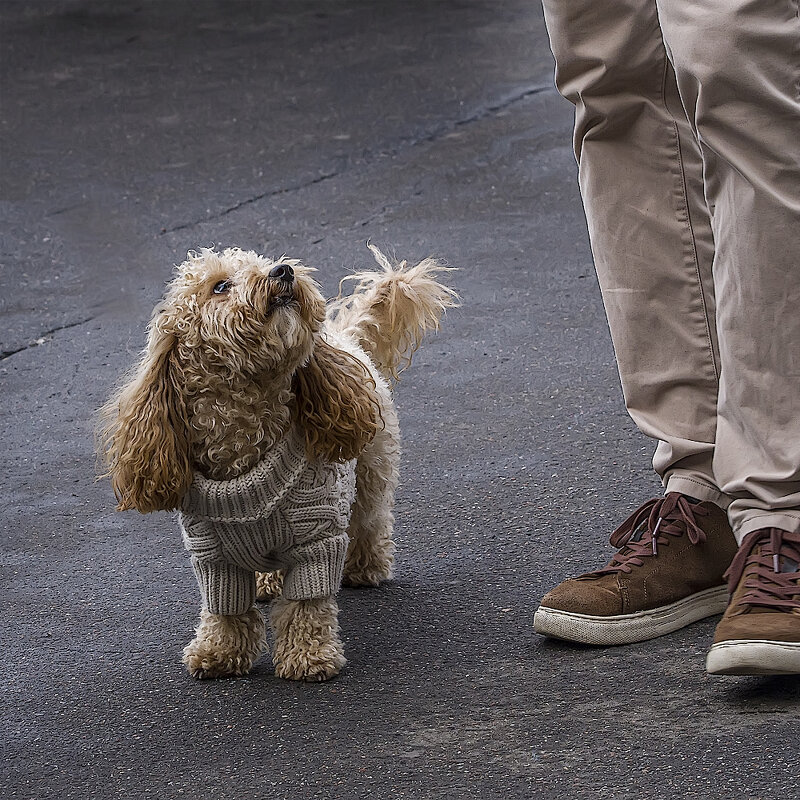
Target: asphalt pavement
132 132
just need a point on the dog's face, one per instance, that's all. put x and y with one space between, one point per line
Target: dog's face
233 326
241 313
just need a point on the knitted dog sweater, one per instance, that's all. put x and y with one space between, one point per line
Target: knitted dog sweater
286 513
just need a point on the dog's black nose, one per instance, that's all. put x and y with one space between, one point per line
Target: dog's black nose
283 272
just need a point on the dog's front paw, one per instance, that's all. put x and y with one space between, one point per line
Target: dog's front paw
307 643
316 669
225 646
204 662
269 585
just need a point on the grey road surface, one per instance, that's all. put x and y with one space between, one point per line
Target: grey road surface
134 131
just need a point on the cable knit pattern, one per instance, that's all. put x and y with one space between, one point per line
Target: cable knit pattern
286 513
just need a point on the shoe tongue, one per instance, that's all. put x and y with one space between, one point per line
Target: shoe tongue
788 564
638 532
781 563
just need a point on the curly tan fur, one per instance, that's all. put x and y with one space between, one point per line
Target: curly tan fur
370 556
144 431
269 585
225 646
237 356
307 643
335 404
390 310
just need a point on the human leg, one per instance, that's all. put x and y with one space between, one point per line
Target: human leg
737 64
641 181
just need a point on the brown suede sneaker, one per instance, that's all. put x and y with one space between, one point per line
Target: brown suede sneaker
667 574
760 632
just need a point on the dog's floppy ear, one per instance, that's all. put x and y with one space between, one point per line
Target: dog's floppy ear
336 405
143 433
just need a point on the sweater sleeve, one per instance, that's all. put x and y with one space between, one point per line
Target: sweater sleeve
224 587
315 569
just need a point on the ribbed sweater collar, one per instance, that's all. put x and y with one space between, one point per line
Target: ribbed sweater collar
254 495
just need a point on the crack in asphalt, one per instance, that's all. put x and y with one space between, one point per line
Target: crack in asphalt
40 340
438 134
285 190
386 209
482 113
406 143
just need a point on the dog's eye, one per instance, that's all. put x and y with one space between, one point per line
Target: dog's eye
221 287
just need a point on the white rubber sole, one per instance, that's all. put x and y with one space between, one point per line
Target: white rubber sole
753 657
630 628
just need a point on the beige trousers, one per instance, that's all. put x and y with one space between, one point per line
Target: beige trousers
687 135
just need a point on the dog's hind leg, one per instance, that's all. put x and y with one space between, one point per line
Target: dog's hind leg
370 556
225 646
269 585
307 644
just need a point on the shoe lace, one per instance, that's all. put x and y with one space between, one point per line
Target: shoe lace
650 527
771 558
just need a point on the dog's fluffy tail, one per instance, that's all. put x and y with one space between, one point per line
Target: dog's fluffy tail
390 310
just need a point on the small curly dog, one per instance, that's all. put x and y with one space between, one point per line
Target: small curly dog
266 419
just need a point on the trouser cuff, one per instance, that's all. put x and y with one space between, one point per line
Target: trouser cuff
748 522
693 487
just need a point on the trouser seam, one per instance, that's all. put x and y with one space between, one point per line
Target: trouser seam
697 483
687 210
